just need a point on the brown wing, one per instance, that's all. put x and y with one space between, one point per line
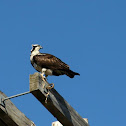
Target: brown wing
49 61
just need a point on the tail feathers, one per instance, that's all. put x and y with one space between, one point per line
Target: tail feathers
68 72
71 74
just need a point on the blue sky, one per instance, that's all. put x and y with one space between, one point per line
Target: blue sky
89 35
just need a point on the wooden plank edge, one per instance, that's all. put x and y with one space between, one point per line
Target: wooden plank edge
11 115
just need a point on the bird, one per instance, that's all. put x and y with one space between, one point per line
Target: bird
48 64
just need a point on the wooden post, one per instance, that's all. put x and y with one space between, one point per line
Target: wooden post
57 123
56 104
10 115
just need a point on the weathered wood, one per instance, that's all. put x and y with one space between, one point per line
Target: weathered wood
2 123
57 123
11 116
56 104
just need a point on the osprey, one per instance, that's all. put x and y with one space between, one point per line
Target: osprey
48 64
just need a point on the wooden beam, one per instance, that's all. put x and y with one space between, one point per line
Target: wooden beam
2 123
56 104
10 115
57 123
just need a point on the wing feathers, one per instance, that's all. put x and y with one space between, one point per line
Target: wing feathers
49 61
55 64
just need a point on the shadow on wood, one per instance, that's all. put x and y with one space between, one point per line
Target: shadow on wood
56 104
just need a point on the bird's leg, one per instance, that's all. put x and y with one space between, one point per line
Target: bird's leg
46 84
44 78
49 86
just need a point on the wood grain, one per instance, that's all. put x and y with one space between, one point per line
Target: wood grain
11 116
56 104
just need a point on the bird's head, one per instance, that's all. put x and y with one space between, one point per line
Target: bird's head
36 47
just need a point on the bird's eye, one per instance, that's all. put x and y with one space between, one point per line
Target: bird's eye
34 47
